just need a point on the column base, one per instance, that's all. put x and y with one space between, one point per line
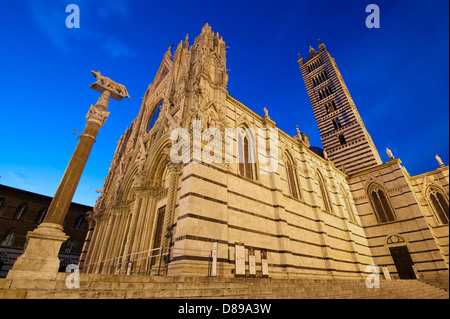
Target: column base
40 259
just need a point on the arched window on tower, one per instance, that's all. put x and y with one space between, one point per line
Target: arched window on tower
381 204
324 193
439 204
291 175
336 123
21 211
330 107
342 140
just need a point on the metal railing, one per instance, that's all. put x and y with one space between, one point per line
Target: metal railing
149 262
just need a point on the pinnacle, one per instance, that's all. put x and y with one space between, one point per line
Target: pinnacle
206 27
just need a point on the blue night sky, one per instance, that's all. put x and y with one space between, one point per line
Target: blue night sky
397 75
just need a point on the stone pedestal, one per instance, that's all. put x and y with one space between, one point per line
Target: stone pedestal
40 259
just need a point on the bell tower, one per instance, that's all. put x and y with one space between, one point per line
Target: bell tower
344 137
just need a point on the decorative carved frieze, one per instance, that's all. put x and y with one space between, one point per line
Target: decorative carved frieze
161 194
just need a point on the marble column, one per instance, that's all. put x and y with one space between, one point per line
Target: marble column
40 258
175 172
132 228
105 244
87 241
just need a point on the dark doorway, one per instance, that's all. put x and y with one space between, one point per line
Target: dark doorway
403 262
158 234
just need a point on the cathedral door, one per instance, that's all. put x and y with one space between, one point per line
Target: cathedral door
158 234
403 262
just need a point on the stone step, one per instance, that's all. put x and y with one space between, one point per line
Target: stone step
105 285
234 293
119 287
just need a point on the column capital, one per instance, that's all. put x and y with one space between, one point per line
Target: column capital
175 168
97 115
141 184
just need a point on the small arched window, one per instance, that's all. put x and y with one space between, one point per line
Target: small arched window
155 115
70 247
330 107
336 123
342 140
21 211
439 204
79 222
2 203
246 156
381 205
324 193
291 175
41 215
8 239
348 205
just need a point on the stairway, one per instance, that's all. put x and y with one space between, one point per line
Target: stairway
146 287
439 282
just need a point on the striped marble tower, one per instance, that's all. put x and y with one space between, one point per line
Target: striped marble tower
344 136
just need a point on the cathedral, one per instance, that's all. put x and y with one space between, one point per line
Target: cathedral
312 212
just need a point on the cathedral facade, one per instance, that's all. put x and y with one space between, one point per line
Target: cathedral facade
309 212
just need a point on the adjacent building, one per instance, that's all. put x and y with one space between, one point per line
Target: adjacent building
22 211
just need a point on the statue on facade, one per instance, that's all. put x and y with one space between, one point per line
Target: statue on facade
441 163
389 154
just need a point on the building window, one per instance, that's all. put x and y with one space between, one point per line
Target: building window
79 222
440 205
246 157
326 91
324 193
2 203
154 116
322 77
348 205
21 211
314 65
381 204
330 107
291 175
41 215
8 239
342 140
70 247
336 123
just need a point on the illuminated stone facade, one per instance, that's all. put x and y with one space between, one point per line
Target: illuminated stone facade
319 214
